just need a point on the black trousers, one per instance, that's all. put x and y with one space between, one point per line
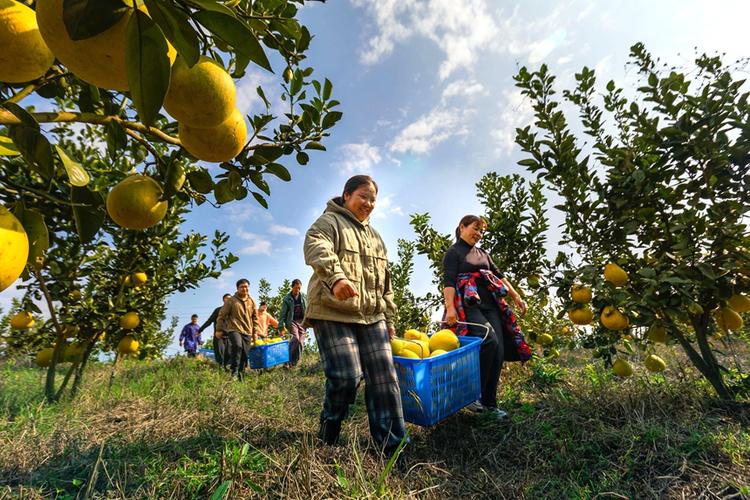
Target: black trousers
491 353
239 349
221 352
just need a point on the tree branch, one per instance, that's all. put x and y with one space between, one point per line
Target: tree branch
8 118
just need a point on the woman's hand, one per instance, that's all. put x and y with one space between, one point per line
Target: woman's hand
391 332
343 289
450 316
520 304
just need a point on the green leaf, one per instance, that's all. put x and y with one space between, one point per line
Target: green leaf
331 118
213 5
7 148
222 490
34 147
327 89
201 181
296 83
223 191
26 118
279 171
148 66
33 223
315 145
303 158
77 175
235 33
262 95
260 199
87 18
117 139
175 25
88 212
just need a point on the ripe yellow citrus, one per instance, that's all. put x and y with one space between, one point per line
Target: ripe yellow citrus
14 248
419 347
202 96
739 303
581 315
654 363
437 352
135 203
22 321
613 319
658 334
137 279
580 294
260 342
553 354
444 340
622 368
545 339
215 144
728 319
130 320
397 345
615 274
72 353
406 353
416 335
24 56
127 345
99 60
44 357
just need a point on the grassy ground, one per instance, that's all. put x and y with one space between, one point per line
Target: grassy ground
181 429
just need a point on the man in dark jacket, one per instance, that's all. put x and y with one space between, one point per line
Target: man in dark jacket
220 342
292 313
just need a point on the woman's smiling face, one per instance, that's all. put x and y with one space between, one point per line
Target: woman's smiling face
472 233
361 201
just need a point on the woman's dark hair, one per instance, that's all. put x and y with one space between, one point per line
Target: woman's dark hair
263 303
468 220
354 182
296 282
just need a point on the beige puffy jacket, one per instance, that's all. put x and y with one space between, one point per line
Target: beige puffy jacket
339 246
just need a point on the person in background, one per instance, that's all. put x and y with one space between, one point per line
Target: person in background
238 319
474 290
190 337
220 342
292 314
352 313
265 319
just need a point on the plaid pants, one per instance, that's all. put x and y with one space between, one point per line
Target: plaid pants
349 351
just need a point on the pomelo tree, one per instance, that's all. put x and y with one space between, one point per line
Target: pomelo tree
659 190
413 311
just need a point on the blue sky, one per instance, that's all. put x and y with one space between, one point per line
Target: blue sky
429 107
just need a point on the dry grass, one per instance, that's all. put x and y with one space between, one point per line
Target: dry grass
179 429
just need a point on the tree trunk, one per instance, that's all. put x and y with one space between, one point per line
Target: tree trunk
709 368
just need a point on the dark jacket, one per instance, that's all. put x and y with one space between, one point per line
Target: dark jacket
287 309
211 320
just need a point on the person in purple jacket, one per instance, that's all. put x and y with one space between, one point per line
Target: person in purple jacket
190 338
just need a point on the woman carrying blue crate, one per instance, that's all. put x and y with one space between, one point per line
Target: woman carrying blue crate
474 291
351 310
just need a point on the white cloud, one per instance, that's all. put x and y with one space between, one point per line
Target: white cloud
515 111
256 243
431 129
463 88
357 158
385 208
286 230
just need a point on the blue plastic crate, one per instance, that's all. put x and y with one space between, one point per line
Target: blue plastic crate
433 389
208 353
268 355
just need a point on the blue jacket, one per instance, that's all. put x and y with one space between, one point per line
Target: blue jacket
190 337
287 309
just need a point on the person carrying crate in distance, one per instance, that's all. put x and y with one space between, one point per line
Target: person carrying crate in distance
292 314
220 342
351 310
474 291
238 320
265 319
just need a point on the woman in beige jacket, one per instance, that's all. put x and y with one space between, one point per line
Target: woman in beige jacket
351 310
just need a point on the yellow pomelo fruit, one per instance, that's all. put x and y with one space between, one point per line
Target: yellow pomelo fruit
416 335
658 334
127 345
44 357
135 203
580 294
545 339
444 340
406 353
137 279
216 144
613 319
24 55
654 363
99 60
615 274
553 354
397 345
14 248
438 352
581 315
202 96
419 347
728 319
75 295
22 321
622 368
130 320
739 303
72 353
260 342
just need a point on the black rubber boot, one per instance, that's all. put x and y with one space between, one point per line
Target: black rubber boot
329 431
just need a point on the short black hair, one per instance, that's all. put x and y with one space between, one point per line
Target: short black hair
263 302
193 316
296 281
358 180
241 281
225 296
